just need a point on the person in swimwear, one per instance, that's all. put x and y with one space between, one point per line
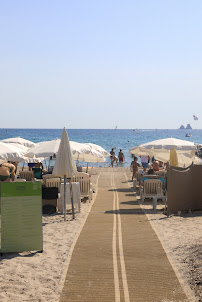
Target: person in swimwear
134 167
7 171
121 156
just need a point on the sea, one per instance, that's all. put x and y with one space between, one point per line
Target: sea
107 138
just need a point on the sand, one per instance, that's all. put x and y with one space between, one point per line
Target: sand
39 276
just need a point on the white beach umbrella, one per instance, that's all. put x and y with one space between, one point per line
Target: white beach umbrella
23 148
34 159
160 149
169 144
79 148
92 157
11 153
44 149
19 140
65 166
99 149
184 159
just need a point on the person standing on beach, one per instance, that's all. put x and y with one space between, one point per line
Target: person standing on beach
134 167
121 156
112 154
144 161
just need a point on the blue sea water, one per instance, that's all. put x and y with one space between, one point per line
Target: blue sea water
107 138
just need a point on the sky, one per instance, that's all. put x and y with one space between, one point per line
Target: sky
97 64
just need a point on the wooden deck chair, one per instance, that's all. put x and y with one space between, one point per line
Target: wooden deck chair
53 182
152 188
47 176
85 185
28 175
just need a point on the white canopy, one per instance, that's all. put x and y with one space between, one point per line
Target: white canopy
11 153
79 148
19 140
92 157
160 149
44 149
99 149
169 144
184 159
80 151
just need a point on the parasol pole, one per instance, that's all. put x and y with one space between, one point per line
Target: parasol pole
65 202
72 200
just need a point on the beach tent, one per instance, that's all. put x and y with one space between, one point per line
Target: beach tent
20 141
160 149
65 166
11 153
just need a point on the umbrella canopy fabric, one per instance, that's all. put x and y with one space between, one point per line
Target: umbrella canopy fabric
19 140
160 149
80 151
44 149
92 157
79 148
34 159
64 163
163 145
23 148
184 159
169 144
11 153
173 158
99 149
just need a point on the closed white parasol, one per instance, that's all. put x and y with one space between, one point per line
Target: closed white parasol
65 166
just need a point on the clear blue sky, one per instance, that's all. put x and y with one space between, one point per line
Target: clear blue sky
100 63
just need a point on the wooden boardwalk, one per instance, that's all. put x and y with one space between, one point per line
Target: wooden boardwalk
118 256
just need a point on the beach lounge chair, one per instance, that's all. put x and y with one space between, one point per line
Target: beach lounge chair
47 176
28 175
53 182
85 184
152 188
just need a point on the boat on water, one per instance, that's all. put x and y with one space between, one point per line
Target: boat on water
188 135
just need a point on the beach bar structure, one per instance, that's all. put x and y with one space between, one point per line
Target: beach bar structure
20 217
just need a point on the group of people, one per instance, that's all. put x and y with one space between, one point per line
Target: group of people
114 158
145 161
8 171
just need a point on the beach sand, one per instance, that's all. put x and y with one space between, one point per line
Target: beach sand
33 276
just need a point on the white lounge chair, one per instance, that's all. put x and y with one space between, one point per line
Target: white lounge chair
53 182
28 175
85 184
152 188
47 176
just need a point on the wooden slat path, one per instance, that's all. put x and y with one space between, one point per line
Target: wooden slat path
118 256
